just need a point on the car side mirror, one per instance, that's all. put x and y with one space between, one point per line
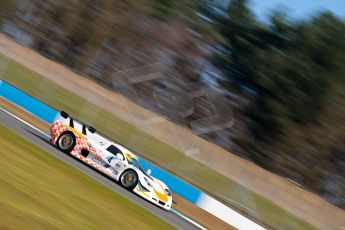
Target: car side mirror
148 172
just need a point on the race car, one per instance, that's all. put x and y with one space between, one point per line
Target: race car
112 159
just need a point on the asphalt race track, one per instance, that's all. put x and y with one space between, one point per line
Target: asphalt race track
43 142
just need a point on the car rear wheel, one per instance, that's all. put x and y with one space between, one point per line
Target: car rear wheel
66 142
129 179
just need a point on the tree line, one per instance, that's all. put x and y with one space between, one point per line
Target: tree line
293 71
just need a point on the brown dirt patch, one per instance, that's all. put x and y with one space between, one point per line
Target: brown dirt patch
23 114
199 215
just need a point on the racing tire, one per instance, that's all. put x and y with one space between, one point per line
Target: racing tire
129 179
66 142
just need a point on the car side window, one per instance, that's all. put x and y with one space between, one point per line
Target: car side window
114 150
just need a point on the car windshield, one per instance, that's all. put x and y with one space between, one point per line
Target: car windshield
136 163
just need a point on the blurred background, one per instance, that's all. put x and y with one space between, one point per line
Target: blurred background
281 70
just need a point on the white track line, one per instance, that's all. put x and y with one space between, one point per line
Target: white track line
21 120
187 219
46 135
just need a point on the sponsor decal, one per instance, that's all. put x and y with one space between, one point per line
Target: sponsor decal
100 162
110 158
118 165
130 156
105 165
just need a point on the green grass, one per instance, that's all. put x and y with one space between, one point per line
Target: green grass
149 147
38 191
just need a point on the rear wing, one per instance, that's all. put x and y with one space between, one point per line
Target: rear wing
73 120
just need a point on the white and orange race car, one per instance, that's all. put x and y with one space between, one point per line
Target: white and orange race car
113 160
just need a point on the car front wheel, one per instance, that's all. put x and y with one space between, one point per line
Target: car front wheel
129 179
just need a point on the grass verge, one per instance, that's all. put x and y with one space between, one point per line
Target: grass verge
38 191
149 147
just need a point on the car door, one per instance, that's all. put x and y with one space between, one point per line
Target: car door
117 165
